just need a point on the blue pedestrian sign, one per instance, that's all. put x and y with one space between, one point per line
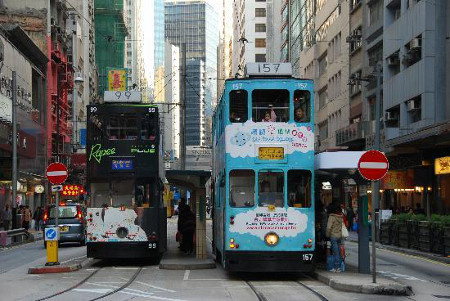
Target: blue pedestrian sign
51 234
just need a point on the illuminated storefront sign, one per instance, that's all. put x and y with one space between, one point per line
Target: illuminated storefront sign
442 165
72 190
398 179
122 164
117 79
98 153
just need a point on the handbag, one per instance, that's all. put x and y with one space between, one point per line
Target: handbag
344 231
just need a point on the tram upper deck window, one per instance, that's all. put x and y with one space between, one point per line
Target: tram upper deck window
96 128
270 105
122 127
299 188
271 188
238 106
302 108
242 188
149 127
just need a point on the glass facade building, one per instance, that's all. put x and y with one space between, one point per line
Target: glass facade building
195 24
159 33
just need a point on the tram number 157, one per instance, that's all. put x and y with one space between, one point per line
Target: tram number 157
152 245
307 257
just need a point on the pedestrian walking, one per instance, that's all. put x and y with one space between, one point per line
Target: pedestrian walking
26 218
334 232
7 217
37 218
350 217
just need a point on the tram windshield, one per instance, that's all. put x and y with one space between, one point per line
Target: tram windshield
271 188
242 188
270 105
299 188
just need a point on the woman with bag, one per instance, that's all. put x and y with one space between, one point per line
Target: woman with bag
334 232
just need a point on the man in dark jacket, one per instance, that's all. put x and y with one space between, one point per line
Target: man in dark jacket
187 221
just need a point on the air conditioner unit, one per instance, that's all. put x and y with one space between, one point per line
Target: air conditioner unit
413 105
415 44
391 116
392 60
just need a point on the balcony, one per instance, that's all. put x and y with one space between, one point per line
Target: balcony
352 135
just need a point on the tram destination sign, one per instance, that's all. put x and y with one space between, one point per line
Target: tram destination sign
271 153
268 69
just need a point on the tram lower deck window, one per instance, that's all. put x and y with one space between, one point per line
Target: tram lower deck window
270 105
242 188
271 188
299 188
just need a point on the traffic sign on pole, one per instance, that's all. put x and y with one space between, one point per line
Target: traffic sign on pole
373 165
56 173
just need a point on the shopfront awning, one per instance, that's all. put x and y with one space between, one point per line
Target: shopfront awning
337 160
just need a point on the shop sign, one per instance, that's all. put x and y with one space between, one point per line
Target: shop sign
39 189
117 79
398 179
72 190
442 165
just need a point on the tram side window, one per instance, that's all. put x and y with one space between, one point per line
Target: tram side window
302 109
238 106
271 188
270 105
242 188
299 188
122 127
149 128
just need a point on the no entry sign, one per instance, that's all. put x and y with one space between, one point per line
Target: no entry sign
373 165
56 173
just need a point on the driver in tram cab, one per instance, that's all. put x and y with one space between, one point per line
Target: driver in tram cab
267 196
270 116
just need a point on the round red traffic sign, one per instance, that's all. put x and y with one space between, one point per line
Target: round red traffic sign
373 165
56 173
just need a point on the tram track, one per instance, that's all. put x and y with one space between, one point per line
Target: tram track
84 280
261 297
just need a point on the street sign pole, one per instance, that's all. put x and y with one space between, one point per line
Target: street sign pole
376 184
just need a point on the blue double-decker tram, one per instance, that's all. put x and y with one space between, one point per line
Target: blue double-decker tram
263 172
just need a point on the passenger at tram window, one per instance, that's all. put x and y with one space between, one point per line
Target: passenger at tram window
302 100
234 118
270 115
238 107
299 115
299 187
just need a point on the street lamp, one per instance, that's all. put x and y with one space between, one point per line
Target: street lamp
78 80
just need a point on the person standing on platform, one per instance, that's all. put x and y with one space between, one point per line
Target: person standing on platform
188 230
334 232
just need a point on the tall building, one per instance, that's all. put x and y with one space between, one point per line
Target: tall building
316 47
249 33
134 42
273 31
110 32
193 25
225 49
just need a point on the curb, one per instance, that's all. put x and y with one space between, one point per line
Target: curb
417 253
55 269
188 266
369 288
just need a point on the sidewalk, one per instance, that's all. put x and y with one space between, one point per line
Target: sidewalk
175 259
353 237
350 281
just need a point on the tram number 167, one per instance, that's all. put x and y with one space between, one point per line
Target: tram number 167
152 245
307 257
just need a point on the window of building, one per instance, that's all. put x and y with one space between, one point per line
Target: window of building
323 130
413 51
322 65
355 83
323 97
149 128
356 39
271 188
238 106
260 43
260 12
354 4
302 100
260 57
260 0
375 12
242 188
260 27
299 188
122 127
270 105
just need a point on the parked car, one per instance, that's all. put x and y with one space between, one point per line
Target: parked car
71 222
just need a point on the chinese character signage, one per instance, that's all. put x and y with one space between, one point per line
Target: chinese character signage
122 164
398 179
72 190
117 79
442 165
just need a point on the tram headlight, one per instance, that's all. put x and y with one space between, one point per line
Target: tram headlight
271 239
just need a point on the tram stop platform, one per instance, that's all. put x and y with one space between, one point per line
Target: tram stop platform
175 259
